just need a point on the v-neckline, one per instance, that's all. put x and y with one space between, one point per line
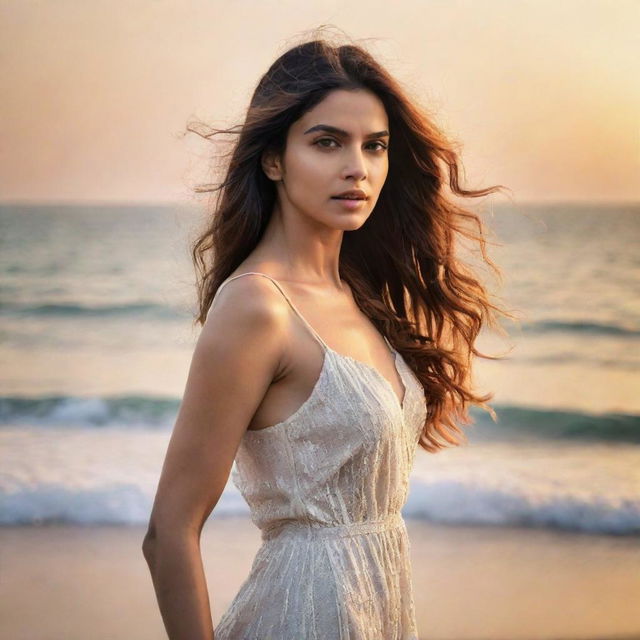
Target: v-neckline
400 403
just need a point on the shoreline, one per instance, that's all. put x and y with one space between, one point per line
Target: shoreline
476 582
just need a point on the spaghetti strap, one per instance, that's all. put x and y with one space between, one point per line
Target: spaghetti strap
389 344
286 297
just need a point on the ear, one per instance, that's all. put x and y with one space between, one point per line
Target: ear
271 165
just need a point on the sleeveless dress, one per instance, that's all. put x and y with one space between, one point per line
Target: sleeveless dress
326 486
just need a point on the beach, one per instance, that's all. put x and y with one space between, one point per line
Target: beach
497 145
470 582
530 531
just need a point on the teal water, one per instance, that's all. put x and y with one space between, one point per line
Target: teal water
96 334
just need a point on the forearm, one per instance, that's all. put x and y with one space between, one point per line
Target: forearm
180 585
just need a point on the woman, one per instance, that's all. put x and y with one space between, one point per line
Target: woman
340 339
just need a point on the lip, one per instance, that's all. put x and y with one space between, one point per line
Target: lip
351 203
356 194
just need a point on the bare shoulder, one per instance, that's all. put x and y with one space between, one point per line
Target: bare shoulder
237 356
249 308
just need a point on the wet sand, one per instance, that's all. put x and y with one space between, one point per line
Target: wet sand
470 583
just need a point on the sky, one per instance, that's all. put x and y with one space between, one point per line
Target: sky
541 96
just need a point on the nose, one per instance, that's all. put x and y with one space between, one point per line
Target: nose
355 166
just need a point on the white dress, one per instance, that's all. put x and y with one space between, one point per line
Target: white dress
326 487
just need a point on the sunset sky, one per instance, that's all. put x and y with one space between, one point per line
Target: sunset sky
543 96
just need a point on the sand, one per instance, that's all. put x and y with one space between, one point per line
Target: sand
470 583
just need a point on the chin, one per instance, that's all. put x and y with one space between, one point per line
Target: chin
350 222
345 221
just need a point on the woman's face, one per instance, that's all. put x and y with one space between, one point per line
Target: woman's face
339 145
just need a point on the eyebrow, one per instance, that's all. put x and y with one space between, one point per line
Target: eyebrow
341 132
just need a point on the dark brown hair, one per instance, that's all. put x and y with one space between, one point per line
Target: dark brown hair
401 264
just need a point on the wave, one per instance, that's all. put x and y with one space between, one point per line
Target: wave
627 362
160 412
565 424
159 310
581 327
458 502
438 501
70 309
90 411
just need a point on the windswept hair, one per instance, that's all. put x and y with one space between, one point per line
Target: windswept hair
401 264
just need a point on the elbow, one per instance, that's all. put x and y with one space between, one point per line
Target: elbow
148 541
165 536
161 539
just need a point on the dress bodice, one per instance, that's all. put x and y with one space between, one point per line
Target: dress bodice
326 487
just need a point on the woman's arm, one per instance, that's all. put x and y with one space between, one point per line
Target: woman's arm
238 354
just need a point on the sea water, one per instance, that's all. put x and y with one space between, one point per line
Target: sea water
97 332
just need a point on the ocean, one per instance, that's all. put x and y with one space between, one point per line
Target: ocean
96 308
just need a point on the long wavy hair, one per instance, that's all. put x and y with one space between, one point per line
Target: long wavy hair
401 264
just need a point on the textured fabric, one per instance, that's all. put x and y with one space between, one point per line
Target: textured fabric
326 487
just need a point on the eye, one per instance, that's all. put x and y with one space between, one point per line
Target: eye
319 142
324 140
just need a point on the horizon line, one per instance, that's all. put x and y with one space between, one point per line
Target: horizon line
173 203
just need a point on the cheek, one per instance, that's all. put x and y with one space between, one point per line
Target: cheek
379 173
310 171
